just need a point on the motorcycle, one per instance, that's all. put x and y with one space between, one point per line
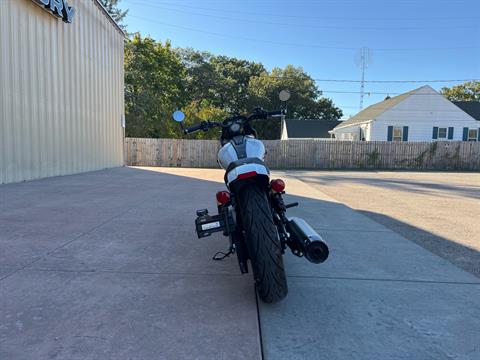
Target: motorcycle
252 212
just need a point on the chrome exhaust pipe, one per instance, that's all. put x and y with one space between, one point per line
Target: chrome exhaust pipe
308 240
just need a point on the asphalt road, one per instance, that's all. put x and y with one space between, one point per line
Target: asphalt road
440 211
106 265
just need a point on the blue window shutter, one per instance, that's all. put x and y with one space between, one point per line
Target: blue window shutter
465 134
478 134
390 133
435 133
450 133
405 133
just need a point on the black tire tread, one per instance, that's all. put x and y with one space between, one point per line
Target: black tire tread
263 244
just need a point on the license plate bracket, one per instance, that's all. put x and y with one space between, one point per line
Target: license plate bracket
206 225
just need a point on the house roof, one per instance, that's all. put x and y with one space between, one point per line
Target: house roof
373 111
304 129
472 108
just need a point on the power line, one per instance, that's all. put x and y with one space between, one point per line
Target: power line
196 30
373 81
414 2
403 110
284 15
397 81
242 37
370 93
266 22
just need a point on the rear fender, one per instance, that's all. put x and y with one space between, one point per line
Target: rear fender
247 172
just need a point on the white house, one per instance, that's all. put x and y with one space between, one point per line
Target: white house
418 115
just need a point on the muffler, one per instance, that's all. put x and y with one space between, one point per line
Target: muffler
307 240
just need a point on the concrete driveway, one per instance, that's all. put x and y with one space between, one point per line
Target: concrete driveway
106 265
437 210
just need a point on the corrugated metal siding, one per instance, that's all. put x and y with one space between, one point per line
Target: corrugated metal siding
61 91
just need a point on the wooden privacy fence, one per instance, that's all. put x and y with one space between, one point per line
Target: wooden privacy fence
313 154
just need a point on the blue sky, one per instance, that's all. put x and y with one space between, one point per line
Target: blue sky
408 39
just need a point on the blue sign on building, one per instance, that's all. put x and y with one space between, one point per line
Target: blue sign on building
58 8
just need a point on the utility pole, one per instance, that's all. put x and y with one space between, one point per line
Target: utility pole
363 60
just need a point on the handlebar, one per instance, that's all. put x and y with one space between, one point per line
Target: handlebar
262 114
276 113
258 114
193 128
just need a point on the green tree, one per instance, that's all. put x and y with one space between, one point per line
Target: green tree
201 75
154 88
234 79
305 102
159 80
468 91
221 80
198 111
115 12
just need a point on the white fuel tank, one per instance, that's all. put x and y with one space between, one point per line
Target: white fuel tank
251 148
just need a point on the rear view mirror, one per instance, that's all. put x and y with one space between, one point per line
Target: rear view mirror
178 116
284 95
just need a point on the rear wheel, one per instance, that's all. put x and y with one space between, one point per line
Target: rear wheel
263 244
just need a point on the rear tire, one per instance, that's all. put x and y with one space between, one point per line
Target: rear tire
263 244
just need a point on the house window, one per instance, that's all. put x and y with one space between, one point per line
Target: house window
472 134
442 133
397 133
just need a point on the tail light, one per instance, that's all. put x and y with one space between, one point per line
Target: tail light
277 185
247 175
223 197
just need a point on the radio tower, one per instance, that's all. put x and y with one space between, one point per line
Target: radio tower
363 59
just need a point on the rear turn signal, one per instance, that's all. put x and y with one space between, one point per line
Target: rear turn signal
223 197
277 185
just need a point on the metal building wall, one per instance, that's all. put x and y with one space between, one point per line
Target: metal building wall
61 91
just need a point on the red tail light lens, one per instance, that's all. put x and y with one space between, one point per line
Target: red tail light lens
223 197
247 175
277 185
